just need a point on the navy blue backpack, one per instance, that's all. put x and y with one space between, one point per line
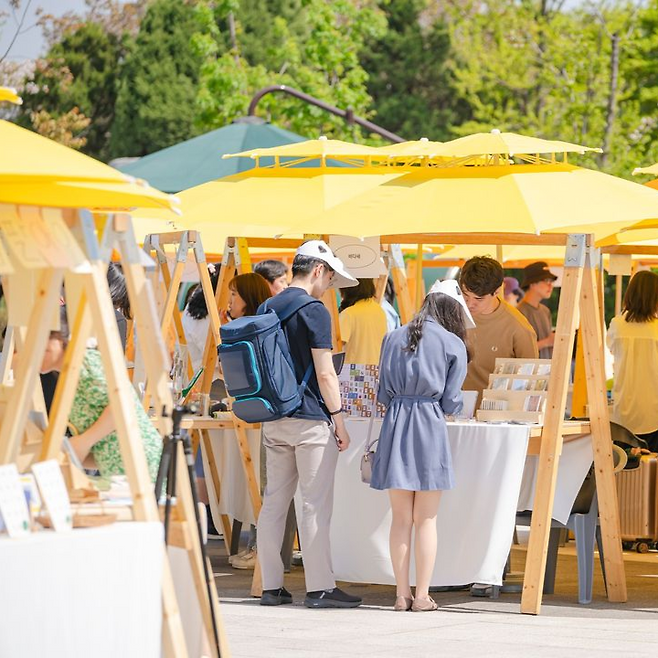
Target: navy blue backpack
258 369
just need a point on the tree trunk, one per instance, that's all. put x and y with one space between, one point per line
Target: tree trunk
611 110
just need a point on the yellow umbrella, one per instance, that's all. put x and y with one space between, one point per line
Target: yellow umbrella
410 149
510 198
265 202
499 143
9 94
37 171
312 148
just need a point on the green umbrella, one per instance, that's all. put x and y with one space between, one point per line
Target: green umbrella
199 160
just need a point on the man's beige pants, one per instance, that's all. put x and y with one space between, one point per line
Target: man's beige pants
304 452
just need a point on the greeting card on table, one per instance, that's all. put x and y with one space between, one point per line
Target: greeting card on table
358 390
53 494
13 506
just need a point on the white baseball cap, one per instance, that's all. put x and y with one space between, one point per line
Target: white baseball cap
320 249
451 288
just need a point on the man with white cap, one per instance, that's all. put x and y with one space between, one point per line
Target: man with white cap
303 449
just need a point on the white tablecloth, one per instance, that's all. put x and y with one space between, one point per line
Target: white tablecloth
475 521
234 500
575 461
93 592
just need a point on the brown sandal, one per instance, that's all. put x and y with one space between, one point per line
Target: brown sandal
424 605
402 604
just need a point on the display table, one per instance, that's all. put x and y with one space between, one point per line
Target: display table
234 498
92 592
476 519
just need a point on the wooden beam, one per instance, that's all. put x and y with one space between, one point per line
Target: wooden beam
606 488
29 364
551 440
554 239
67 382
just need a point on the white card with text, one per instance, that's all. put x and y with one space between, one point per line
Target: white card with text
53 494
13 506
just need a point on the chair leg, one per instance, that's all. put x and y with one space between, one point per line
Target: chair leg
551 561
599 545
585 531
235 537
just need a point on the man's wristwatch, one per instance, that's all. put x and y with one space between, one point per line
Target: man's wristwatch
335 413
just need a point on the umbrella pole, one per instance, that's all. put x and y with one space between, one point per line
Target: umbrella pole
420 292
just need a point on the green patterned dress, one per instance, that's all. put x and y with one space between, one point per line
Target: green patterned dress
91 399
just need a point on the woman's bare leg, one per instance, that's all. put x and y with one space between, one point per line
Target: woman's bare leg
425 508
402 503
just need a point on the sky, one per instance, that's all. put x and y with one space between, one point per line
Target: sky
30 44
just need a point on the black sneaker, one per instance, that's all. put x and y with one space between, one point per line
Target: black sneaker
331 598
275 596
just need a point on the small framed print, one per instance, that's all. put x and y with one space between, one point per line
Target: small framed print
500 384
520 384
53 494
13 506
544 369
533 403
526 369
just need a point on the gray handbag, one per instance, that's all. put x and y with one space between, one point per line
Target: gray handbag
366 459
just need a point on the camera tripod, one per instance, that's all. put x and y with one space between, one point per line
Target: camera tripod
168 468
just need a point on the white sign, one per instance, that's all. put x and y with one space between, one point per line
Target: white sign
13 506
361 257
53 494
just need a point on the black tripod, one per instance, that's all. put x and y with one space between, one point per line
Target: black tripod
168 468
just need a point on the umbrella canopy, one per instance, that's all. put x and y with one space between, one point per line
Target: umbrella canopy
9 95
37 171
312 148
497 143
652 169
509 199
265 202
199 160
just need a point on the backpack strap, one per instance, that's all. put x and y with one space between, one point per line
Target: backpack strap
285 314
288 311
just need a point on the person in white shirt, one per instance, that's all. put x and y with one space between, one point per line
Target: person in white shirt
633 341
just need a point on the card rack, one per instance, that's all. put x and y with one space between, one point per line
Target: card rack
517 391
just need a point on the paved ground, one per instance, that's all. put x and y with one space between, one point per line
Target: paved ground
463 626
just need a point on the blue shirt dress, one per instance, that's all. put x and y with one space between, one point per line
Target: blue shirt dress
417 388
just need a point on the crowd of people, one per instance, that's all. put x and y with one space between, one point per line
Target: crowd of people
450 346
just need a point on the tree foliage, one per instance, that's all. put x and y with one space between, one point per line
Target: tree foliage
77 80
311 45
159 82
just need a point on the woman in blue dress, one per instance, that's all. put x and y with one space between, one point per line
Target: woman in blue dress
421 371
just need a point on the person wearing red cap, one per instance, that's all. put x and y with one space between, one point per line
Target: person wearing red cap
538 285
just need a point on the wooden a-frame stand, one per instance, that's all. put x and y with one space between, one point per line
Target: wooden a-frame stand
579 301
95 313
232 262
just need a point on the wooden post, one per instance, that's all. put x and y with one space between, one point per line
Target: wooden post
65 391
551 438
420 284
619 281
400 284
31 356
606 488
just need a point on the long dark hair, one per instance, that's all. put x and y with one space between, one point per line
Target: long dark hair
118 291
350 296
447 312
252 288
196 305
641 298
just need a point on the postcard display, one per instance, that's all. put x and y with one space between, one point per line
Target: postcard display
517 391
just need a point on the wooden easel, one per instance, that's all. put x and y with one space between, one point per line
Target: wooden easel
95 312
579 300
184 242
